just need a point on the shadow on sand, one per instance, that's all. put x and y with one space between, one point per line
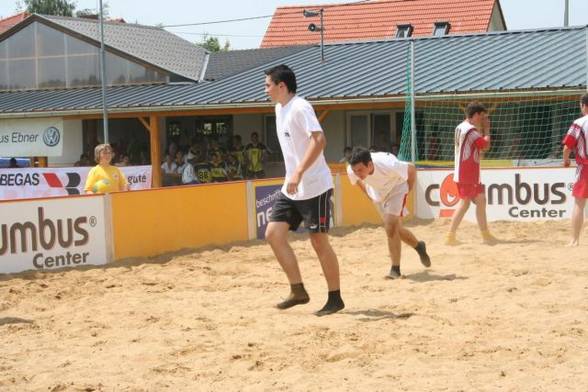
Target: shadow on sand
377 315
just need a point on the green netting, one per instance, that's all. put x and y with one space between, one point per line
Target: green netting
525 128
404 151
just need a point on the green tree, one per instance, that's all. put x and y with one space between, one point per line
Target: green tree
212 44
50 7
94 13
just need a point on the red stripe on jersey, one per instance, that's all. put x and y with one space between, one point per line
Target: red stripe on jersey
569 141
482 142
469 167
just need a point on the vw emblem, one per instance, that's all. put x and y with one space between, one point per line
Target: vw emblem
51 136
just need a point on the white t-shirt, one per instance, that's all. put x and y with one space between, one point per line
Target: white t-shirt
388 179
188 175
295 123
169 169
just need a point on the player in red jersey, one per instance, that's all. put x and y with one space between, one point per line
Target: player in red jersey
575 140
472 137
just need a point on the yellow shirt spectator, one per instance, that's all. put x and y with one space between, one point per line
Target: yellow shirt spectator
105 178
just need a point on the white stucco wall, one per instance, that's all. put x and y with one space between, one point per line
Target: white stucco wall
72 144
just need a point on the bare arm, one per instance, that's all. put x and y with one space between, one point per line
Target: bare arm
412 173
566 156
315 148
486 134
362 187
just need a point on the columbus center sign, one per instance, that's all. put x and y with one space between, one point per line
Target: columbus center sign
31 137
511 194
48 234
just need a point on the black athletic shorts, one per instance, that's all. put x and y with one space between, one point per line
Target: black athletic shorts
315 212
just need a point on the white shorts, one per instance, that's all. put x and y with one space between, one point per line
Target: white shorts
393 205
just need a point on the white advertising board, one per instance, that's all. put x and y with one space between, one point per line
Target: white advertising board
42 137
512 194
30 183
53 233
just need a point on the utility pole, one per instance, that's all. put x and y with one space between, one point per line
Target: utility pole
103 76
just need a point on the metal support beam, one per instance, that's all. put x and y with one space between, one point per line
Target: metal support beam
413 149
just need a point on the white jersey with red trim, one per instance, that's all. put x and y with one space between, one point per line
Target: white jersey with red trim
576 139
468 143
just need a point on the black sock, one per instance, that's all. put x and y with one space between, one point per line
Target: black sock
421 249
396 268
333 305
298 296
298 288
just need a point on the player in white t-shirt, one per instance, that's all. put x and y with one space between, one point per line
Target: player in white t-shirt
307 189
387 181
576 140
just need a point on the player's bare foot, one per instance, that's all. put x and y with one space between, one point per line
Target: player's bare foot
573 244
488 238
451 240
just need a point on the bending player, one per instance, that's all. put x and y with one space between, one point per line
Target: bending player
575 140
387 181
472 137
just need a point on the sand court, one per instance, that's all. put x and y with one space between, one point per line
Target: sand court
509 317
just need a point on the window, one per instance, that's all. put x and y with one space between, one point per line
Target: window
271 139
404 31
38 56
441 29
51 72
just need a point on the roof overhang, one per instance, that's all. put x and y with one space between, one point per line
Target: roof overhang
267 107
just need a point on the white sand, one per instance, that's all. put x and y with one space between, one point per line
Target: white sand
510 317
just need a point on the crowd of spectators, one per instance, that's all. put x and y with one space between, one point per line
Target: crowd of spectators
205 160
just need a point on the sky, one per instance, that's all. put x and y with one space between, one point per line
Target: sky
519 14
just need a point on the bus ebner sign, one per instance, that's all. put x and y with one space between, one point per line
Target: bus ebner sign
31 137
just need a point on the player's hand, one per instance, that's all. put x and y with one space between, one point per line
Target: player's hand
486 125
293 182
566 163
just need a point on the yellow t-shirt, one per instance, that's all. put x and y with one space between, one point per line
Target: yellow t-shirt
105 179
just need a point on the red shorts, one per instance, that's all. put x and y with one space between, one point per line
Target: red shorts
580 189
469 191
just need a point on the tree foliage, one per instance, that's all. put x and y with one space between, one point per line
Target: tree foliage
50 7
212 44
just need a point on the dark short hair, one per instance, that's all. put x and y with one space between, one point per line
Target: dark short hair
475 107
347 149
584 100
283 73
360 155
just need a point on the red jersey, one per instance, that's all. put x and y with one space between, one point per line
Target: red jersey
575 139
468 143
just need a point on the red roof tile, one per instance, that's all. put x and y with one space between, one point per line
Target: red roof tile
7 23
376 19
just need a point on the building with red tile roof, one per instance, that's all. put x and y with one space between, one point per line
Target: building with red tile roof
383 19
13 20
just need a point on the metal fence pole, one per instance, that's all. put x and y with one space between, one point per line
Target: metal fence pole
413 149
586 29
103 76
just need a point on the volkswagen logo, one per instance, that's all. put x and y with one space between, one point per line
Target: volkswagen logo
51 136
